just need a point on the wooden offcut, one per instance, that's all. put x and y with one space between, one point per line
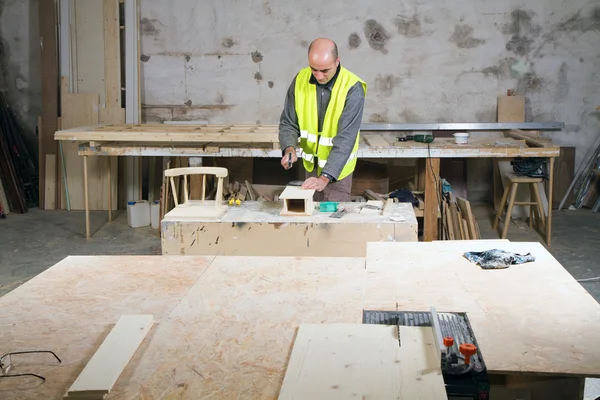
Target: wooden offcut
102 371
511 108
363 361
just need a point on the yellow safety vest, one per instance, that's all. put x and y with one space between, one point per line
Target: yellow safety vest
317 143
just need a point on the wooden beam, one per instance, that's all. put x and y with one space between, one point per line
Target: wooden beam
530 138
112 58
432 180
50 85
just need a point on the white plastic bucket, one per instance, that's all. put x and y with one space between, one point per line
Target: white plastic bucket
461 137
138 213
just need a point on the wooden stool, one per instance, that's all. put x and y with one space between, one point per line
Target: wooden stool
535 200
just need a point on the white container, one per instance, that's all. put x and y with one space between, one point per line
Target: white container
154 214
138 213
461 137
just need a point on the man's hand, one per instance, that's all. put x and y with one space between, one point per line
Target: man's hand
289 158
315 183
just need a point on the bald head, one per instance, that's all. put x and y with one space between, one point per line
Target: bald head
323 59
322 49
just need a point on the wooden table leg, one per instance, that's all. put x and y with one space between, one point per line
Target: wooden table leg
550 190
432 180
86 197
109 190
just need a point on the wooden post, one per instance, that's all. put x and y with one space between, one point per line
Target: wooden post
432 180
550 190
86 197
109 190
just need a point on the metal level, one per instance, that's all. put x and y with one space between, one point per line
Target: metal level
464 126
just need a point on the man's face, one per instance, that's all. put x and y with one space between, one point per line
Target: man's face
323 72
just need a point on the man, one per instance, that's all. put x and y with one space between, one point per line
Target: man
323 107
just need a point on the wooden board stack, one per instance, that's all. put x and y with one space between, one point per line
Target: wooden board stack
102 371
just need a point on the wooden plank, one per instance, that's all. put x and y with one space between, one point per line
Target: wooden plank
530 138
166 133
50 188
112 57
4 200
363 361
432 180
465 210
113 355
50 90
376 140
89 44
111 115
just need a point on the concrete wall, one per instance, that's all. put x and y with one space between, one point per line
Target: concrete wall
20 80
232 61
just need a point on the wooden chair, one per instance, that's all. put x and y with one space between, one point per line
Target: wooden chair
510 192
219 173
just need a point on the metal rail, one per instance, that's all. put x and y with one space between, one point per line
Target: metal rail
464 126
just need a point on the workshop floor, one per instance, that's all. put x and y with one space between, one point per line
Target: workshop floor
33 242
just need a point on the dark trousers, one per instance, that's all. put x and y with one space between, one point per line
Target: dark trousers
334 191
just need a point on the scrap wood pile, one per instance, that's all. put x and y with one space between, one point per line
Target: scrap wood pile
18 170
587 183
457 221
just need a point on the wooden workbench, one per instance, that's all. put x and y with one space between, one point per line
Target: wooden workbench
225 326
262 141
256 229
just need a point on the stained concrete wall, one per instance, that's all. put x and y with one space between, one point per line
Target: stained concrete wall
20 81
232 61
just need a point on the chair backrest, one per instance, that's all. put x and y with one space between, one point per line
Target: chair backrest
219 173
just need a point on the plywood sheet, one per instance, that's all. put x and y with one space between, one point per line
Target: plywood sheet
511 109
344 361
89 43
78 110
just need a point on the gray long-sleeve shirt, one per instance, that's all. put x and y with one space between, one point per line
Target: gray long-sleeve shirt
348 126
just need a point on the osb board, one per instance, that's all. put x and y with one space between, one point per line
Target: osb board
225 330
534 309
71 307
232 334
363 361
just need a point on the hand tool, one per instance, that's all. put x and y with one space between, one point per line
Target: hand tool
289 160
339 213
419 137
